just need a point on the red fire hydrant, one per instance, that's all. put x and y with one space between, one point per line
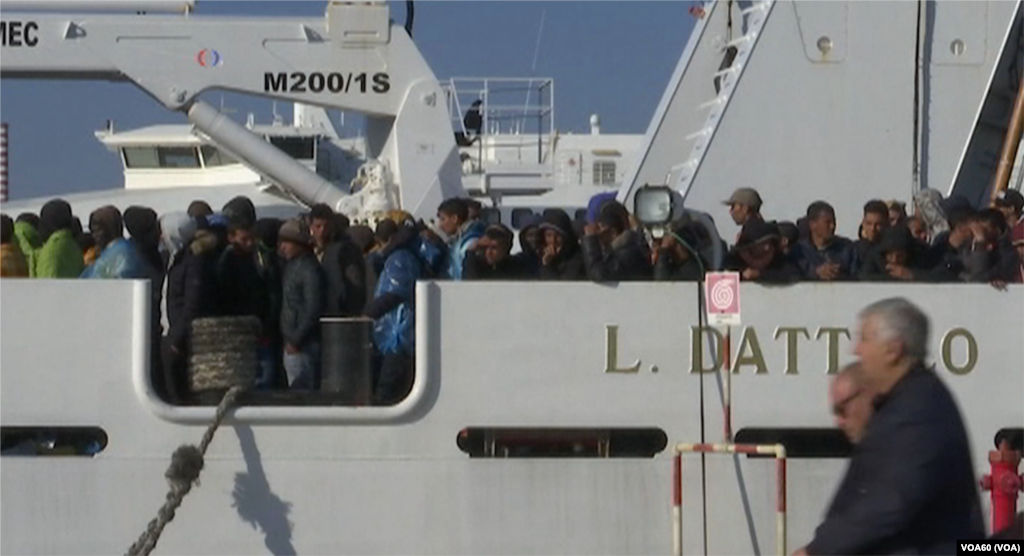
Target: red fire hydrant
1005 484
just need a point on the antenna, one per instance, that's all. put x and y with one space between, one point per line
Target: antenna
533 66
536 47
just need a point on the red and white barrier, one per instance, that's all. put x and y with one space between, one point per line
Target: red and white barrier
3 162
778 450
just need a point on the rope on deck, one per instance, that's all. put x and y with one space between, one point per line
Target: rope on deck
186 464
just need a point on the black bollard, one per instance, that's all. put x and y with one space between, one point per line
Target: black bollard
347 356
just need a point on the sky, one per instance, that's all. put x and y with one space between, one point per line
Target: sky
613 58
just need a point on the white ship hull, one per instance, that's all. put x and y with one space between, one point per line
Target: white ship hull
394 480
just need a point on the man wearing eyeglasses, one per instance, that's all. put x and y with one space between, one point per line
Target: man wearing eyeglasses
851 402
910 485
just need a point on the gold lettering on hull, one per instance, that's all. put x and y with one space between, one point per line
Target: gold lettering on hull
697 348
711 340
791 345
947 351
756 358
611 354
833 345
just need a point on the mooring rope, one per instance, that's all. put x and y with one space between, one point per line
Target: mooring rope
186 464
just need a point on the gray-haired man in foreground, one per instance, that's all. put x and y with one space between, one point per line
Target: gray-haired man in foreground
910 485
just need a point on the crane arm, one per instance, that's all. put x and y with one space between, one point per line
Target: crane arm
353 59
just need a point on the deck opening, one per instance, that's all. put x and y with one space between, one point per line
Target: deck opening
52 441
799 442
544 442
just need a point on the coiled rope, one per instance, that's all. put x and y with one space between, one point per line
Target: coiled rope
186 464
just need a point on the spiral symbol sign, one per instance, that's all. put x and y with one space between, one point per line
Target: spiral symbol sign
722 292
722 295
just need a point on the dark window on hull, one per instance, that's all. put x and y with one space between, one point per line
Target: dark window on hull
539 442
52 441
520 217
799 443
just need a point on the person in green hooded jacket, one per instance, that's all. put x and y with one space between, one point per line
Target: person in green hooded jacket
60 256
26 237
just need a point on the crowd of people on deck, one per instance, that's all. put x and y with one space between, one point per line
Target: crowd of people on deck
289 274
943 240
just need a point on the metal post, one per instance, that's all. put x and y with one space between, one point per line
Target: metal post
3 162
677 505
778 450
780 509
1010 144
727 387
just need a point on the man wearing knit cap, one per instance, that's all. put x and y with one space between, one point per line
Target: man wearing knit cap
303 287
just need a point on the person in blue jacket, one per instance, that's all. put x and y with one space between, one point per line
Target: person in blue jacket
453 219
118 257
394 312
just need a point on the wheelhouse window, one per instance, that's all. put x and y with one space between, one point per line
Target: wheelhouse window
604 172
520 216
160 157
300 148
213 157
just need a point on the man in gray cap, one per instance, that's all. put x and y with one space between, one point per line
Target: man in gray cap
302 289
744 205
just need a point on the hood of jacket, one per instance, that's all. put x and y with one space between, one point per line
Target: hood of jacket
178 229
205 241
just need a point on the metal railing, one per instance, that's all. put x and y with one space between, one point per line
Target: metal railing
508 106
778 450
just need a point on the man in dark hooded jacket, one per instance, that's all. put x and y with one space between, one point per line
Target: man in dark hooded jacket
144 228
191 292
612 250
489 258
561 258
249 282
675 262
531 244
757 255
895 258
345 269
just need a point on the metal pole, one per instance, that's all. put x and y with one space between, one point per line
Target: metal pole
727 369
1010 144
3 162
778 450
677 505
780 510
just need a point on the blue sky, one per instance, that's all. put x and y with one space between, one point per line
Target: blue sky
611 58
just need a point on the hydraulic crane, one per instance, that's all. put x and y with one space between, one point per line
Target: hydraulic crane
354 59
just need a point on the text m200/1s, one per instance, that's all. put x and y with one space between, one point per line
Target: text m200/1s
332 82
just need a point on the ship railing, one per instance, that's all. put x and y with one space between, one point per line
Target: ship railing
520 106
778 450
